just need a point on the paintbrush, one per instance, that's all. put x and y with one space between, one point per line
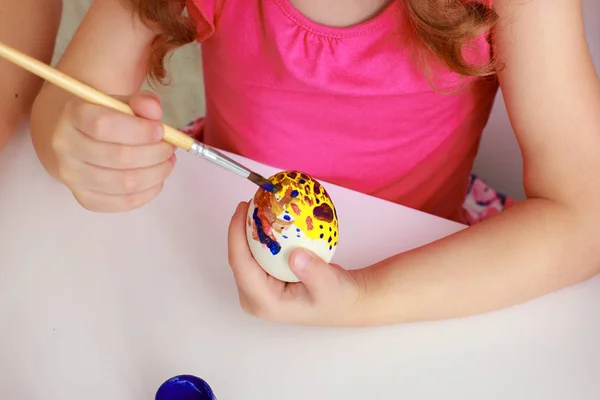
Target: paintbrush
91 95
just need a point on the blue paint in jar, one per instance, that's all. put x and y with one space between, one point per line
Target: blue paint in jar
185 387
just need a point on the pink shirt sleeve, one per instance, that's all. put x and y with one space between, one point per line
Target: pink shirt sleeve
203 12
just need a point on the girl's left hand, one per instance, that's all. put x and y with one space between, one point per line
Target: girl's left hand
326 295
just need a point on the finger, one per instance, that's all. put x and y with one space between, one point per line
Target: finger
145 104
118 182
250 277
106 203
120 156
106 125
317 275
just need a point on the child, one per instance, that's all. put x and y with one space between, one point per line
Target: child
388 97
30 27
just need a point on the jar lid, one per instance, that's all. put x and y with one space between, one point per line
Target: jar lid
185 387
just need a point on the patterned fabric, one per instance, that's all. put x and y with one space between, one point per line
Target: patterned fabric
482 201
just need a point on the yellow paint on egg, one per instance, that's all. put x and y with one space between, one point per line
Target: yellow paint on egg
300 201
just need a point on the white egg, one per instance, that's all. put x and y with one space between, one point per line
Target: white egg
299 214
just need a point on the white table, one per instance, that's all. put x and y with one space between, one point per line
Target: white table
97 306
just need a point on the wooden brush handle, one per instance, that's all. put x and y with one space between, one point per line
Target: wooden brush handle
85 92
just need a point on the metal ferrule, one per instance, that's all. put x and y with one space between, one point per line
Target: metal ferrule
219 159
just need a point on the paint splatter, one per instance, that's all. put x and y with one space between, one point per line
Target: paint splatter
323 213
317 188
309 224
295 208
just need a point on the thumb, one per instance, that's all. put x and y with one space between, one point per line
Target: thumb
144 104
317 275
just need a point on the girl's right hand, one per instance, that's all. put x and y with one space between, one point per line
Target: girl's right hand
112 161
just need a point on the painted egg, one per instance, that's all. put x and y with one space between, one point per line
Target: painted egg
299 214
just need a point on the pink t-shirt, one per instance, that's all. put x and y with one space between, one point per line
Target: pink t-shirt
345 105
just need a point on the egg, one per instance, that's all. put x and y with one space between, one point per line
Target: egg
299 214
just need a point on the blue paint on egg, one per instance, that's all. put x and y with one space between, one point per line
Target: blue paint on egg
185 387
287 217
294 194
273 246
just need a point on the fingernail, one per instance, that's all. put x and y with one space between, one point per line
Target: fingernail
159 132
173 159
301 259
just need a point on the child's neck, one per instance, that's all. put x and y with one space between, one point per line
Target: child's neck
339 13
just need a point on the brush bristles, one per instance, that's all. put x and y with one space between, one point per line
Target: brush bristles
262 182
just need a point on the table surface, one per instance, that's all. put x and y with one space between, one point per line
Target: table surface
108 306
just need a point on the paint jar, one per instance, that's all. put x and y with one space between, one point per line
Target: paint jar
185 387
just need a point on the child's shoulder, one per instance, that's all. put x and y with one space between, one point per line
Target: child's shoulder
204 13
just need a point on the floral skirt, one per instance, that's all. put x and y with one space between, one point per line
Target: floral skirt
481 202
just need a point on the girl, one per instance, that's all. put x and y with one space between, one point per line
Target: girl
388 97
31 28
